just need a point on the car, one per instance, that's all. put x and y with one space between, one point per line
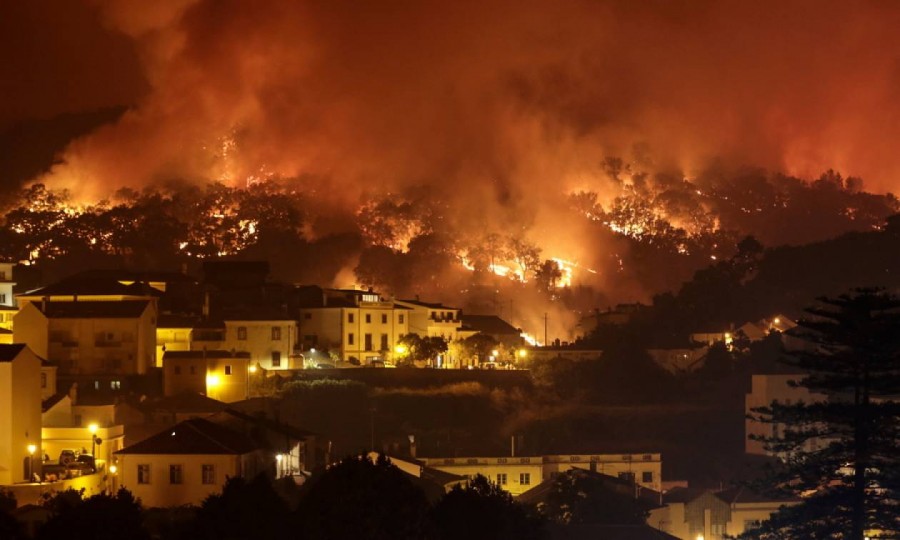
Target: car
324 365
67 457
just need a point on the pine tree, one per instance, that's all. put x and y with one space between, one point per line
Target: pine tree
847 484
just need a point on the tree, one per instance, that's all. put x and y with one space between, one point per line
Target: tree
482 510
579 496
100 517
850 485
361 498
244 510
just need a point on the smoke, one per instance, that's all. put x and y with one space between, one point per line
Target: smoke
496 109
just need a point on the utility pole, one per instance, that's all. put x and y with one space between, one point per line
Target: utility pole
545 330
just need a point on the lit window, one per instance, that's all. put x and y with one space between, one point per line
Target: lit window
276 333
525 478
175 474
501 479
242 333
143 474
208 474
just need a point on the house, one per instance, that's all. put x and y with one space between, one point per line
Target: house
20 414
268 335
358 326
493 326
221 375
7 300
682 360
432 319
182 406
188 462
764 390
173 333
690 513
518 474
91 337
294 448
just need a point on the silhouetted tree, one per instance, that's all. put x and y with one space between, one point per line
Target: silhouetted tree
578 496
482 510
245 510
359 498
850 484
100 517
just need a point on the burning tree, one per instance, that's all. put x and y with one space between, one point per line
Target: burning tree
840 455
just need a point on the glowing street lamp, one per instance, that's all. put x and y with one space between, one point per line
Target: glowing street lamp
31 450
95 440
523 353
278 460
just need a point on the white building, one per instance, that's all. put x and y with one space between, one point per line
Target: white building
20 414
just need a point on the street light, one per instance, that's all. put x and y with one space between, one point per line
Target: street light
278 459
31 450
95 440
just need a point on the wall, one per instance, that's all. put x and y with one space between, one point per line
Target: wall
490 468
20 414
173 339
259 342
31 327
764 390
159 492
226 387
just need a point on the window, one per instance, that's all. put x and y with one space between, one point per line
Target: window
208 474
368 318
400 318
175 474
350 338
276 333
178 370
43 380
276 358
368 338
350 317
115 385
525 478
384 342
227 370
501 479
384 318
242 333
647 477
307 316
143 473
2 298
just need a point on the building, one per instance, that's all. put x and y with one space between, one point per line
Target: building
712 515
7 300
432 320
20 414
357 326
491 325
220 375
91 337
518 474
173 333
188 462
764 390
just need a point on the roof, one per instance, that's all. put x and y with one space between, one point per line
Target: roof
193 437
93 287
742 494
645 496
175 355
256 313
427 304
127 309
167 320
271 425
489 324
188 402
8 353
133 275
51 401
